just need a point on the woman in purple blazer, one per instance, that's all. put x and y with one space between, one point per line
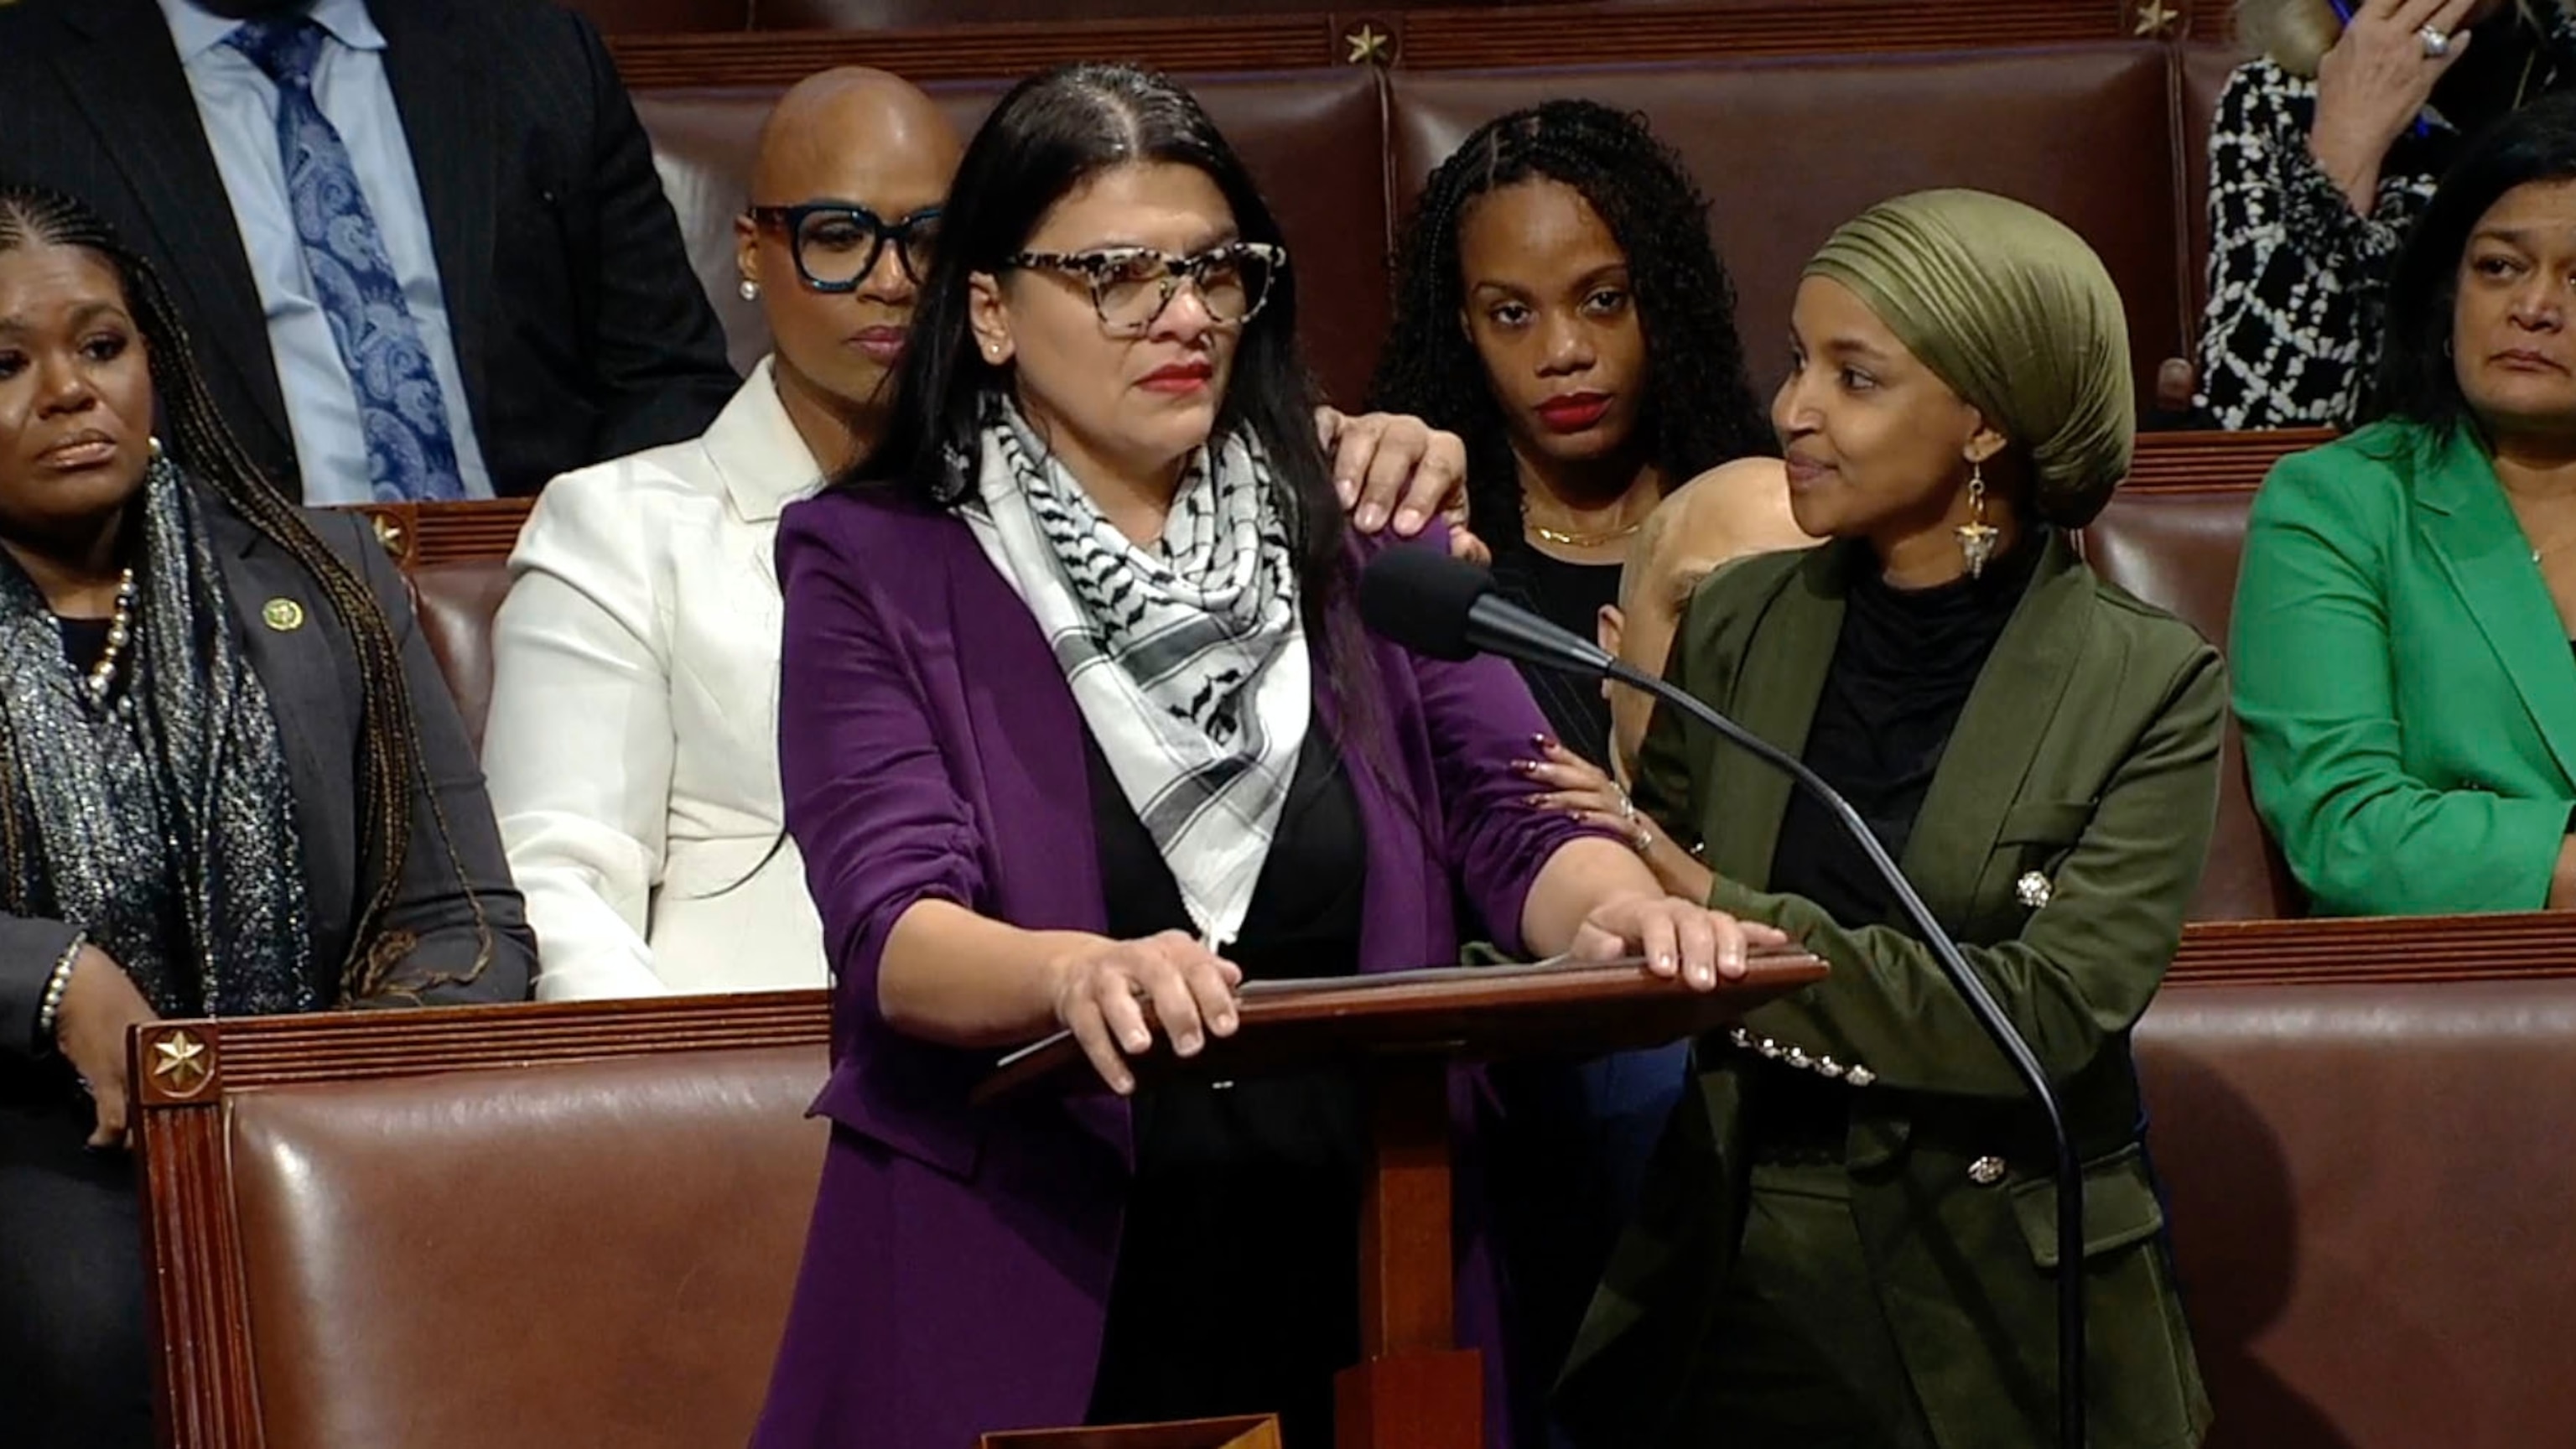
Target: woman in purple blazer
1079 716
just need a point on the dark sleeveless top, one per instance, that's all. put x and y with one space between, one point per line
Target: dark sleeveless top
1570 596
1237 1287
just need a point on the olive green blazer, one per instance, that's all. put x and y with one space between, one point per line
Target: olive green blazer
2086 757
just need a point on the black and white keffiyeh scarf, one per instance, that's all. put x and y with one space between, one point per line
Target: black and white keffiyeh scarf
1186 657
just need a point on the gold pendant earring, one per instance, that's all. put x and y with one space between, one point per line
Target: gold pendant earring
1976 536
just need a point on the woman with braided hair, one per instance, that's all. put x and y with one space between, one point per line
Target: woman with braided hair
1560 307
231 783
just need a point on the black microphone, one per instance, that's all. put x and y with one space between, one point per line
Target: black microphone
1447 609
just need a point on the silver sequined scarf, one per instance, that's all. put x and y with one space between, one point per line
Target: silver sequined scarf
1185 656
162 824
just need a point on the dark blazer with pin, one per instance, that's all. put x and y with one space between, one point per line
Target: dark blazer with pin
2060 842
581 331
69 1229
2404 679
309 667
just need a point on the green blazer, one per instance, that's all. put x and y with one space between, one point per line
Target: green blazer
2403 679
2087 753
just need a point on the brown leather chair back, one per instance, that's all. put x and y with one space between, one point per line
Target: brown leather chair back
2178 548
926 14
456 600
1787 150
487 1228
2370 1209
1315 141
665 17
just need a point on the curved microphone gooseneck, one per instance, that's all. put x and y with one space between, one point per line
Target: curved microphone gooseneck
1447 609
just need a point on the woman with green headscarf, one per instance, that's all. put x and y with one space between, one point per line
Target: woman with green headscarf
1848 1236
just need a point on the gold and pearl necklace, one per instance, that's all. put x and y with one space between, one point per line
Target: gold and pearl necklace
120 628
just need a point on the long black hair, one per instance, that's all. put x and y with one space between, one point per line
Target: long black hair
1051 133
390 765
1701 409
2416 378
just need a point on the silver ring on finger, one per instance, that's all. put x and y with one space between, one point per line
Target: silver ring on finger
2437 42
1644 840
1627 808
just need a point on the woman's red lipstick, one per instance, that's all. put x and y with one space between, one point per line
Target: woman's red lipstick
1179 377
1574 411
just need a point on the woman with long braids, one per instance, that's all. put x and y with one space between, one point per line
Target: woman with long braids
231 783
1560 307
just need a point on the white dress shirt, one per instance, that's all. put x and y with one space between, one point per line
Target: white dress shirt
237 103
632 745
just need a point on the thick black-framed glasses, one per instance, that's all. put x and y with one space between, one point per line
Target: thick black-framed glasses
1130 286
836 244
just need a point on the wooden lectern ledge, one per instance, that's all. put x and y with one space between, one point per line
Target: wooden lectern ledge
1449 1013
1415 1387
1259 1431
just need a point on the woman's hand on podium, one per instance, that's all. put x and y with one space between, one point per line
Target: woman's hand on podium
1101 989
1676 937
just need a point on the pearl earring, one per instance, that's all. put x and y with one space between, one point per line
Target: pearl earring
750 290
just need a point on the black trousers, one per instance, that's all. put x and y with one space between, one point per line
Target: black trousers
74 1368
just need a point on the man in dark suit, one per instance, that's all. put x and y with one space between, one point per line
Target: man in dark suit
421 244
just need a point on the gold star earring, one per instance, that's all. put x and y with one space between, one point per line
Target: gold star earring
1976 536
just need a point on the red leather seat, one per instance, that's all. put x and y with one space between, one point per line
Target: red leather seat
456 601
1787 150
2178 548
2369 1208
1314 140
521 1227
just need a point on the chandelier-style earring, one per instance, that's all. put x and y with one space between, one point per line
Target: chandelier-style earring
750 290
1976 536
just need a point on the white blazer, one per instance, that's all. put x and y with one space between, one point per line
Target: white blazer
632 748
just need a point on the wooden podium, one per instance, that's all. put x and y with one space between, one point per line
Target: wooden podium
1414 1387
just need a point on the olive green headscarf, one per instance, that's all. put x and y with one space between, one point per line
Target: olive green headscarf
2018 316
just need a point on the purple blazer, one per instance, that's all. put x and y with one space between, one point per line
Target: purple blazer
957 1274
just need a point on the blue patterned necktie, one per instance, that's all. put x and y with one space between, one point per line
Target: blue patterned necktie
410 453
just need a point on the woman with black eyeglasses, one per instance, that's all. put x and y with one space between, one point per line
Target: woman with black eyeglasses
632 738
1085 733
631 744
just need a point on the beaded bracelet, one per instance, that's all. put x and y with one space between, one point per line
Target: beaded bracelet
50 1006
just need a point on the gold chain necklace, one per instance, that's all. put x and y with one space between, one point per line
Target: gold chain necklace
1563 539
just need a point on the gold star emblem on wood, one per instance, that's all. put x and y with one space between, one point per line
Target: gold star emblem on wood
389 532
2155 17
1368 45
179 1063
